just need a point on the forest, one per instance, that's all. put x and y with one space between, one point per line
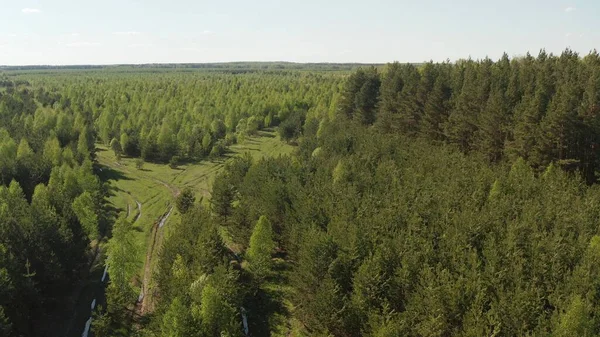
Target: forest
435 199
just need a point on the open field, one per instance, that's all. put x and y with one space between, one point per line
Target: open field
156 185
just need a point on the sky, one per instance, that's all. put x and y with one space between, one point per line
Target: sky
63 32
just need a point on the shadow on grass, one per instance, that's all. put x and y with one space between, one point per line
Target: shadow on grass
107 173
265 308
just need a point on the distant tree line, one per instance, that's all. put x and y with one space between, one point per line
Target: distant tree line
189 116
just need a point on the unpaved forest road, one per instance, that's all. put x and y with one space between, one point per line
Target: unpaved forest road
144 301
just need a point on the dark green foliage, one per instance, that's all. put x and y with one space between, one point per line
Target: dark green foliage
174 162
431 200
218 149
51 207
291 127
5 326
185 200
115 145
396 236
540 109
360 94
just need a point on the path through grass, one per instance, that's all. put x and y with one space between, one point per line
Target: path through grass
154 187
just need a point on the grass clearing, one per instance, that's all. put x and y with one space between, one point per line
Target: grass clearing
156 185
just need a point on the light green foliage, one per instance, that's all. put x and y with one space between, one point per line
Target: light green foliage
167 141
317 152
176 321
122 251
268 120
116 147
575 321
340 172
68 157
84 208
124 142
496 190
218 314
83 145
24 150
8 154
52 151
261 247
252 125
139 163
214 313
206 141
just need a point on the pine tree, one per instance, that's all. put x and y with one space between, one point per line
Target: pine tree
461 125
185 200
400 108
261 247
493 124
589 115
83 146
84 209
435 113
116 147
360 95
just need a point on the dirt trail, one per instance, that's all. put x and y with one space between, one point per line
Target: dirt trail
139 206
174 190
145 301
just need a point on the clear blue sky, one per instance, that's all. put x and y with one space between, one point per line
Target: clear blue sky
121 31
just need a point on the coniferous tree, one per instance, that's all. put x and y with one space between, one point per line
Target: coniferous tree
493 124
435 112
461 126
185 200
261 247
359 97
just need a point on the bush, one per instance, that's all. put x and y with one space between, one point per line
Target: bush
139 163
174 161
185 200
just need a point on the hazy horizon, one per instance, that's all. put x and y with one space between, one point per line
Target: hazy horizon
67 32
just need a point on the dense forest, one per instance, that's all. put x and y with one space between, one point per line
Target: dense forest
439 199
158 117
51 208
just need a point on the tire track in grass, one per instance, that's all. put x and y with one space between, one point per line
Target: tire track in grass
144 301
